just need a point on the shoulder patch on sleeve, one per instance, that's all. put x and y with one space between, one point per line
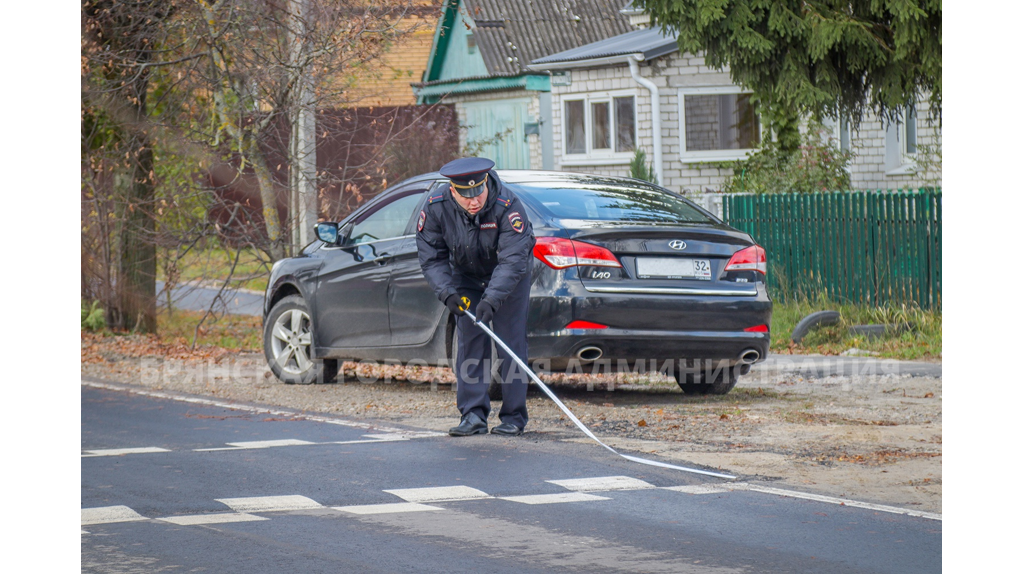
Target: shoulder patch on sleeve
422 219
516 221
435 198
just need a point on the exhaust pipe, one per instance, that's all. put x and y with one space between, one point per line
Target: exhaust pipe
589 353
749 357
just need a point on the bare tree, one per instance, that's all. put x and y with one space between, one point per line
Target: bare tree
184 99
245 66
118 40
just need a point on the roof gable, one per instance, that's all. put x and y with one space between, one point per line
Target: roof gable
511 33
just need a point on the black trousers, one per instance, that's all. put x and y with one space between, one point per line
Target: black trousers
474 361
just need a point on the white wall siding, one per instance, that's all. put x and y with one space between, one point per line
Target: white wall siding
869 169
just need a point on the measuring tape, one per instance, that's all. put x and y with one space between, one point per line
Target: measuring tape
573 418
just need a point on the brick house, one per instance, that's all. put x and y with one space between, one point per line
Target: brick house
604 96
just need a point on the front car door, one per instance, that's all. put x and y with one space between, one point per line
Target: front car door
415 310
351 301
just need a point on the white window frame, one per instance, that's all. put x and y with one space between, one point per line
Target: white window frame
907 161
837 128
908 156
710 155
592 156
841 128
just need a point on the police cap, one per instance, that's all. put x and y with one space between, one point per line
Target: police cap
468 174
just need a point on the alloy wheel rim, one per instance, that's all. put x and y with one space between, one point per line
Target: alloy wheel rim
290 342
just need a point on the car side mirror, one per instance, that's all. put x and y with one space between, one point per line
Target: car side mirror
327 232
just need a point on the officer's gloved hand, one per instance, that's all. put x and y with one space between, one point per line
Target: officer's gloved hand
484 312
452 302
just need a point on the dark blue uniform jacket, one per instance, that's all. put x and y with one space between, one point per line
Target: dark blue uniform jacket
487 252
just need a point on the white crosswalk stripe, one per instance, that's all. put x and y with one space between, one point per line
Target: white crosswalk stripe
270 443
270 503
121 451
417 499
602 483
109 514
220 518
389 508
700 488
554 498
439 493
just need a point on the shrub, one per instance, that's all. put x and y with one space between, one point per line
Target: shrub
640 169
94 318
817 165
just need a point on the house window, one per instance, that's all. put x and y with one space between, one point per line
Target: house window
901 143
576 127
717 124
908 131
600 127
844 135
840 133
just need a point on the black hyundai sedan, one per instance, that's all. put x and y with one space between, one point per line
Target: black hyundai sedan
627 276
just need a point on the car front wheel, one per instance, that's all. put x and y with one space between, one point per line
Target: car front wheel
287 345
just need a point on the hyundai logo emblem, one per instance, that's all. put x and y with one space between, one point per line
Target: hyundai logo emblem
677 244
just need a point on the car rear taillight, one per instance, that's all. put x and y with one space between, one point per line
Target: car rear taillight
559 253
757 329
585 325
752 258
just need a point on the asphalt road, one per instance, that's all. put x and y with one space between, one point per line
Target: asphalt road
192 297
237 488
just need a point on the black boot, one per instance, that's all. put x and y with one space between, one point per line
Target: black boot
471 424
507 429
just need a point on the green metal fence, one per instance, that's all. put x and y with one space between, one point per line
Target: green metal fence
872 247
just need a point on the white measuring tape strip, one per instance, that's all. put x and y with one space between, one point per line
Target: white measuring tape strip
572 417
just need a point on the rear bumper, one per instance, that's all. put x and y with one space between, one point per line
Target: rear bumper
645 330
632 350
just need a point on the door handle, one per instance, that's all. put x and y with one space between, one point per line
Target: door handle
383 259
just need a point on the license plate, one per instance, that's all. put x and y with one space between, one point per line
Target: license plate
673 268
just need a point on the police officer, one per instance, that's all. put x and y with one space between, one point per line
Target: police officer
475 241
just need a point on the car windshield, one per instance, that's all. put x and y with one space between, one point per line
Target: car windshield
611 203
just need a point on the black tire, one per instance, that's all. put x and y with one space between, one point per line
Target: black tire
813 321
708 382
287 342
494 386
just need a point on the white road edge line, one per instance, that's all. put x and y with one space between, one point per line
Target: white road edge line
258 410
833 500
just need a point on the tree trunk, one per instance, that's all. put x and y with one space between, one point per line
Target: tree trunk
136 260
137 257
268 198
